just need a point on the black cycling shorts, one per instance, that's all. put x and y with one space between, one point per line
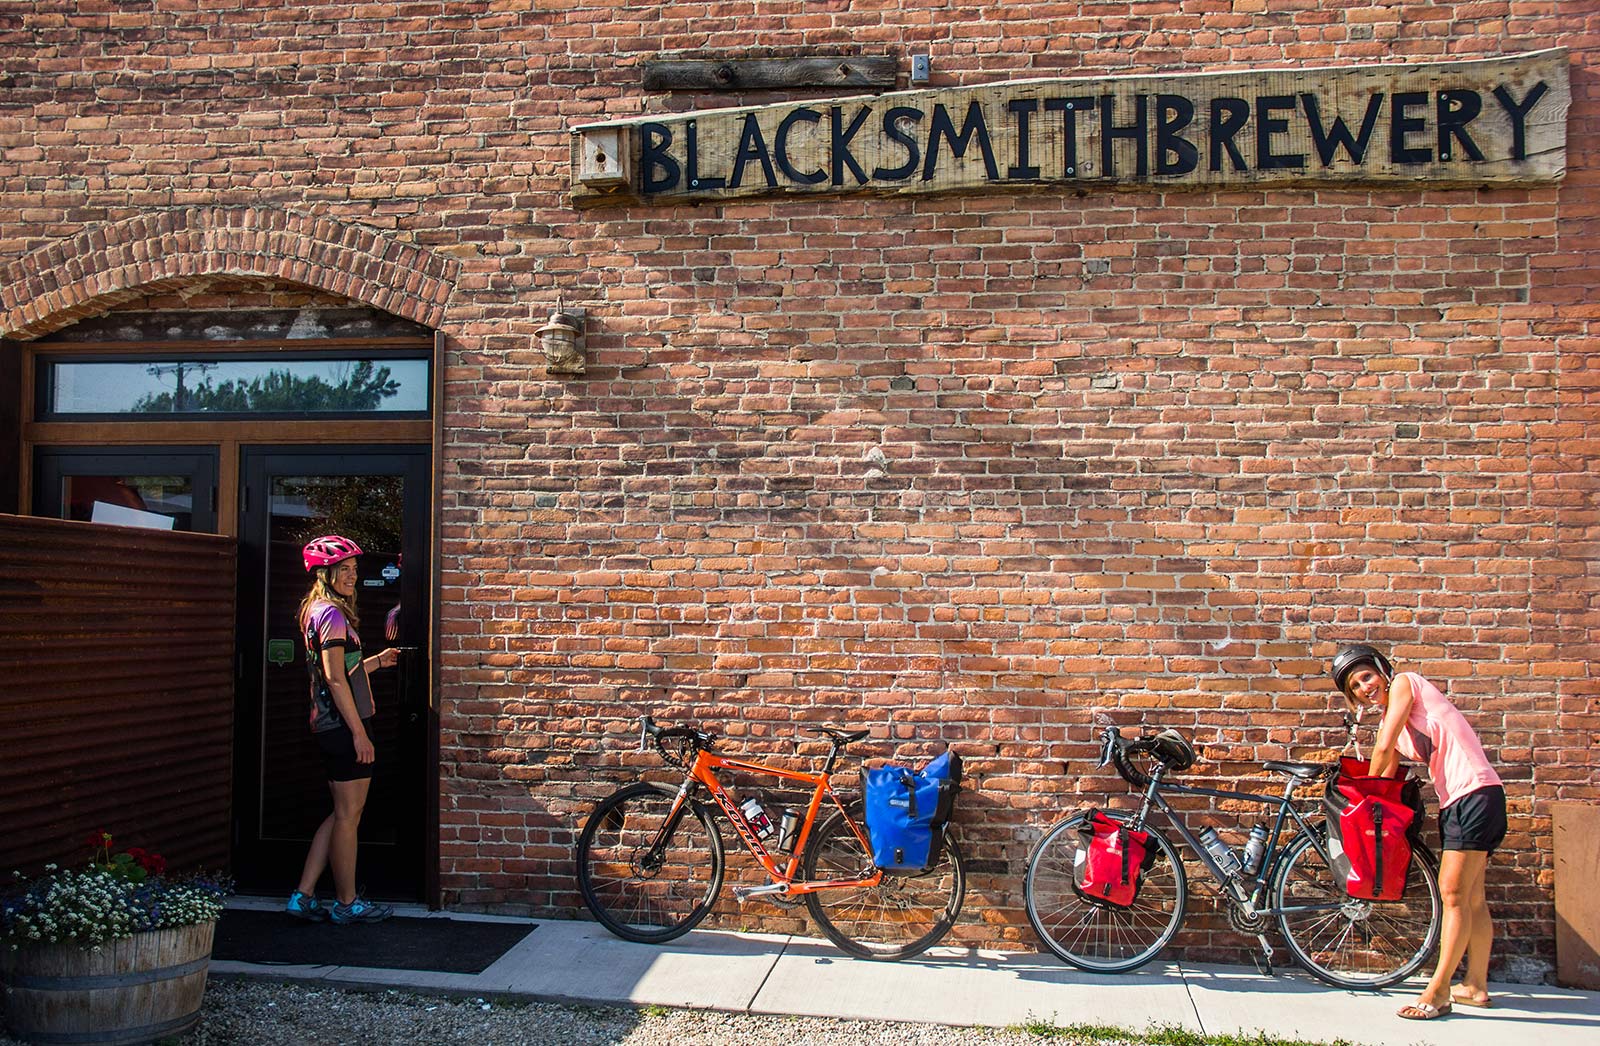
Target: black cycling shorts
1476 821
339 753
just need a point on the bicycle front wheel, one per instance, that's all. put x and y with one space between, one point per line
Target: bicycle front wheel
1092 934
904 915
644 878
1352 943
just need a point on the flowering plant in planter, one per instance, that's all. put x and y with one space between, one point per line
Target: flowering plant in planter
116 896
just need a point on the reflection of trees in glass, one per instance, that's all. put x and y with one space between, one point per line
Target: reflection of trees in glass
366 386
365 509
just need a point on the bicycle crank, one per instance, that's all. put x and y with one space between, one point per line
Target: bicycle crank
1249 922
777 893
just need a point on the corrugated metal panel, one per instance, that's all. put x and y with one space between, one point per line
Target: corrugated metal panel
116 691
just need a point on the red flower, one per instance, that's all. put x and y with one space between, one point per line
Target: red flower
137 853
155 864
97 839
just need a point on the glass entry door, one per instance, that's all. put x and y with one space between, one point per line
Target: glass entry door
377 496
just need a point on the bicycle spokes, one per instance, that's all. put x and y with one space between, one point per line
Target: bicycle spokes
1349 942
646 873
1090 933
900 916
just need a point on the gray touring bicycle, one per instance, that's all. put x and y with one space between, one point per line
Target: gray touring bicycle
1344 941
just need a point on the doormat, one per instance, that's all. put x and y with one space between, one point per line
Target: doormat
398 943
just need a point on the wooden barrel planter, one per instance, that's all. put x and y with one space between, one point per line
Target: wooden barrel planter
134 990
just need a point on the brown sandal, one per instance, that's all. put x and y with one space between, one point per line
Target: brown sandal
1485 1003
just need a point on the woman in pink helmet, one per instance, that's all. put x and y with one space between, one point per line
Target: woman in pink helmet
341 711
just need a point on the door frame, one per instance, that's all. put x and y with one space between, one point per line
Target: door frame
228 437
413 462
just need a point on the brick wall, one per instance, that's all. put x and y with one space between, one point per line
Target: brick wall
982 470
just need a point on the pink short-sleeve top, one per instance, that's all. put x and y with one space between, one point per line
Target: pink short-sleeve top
1439 735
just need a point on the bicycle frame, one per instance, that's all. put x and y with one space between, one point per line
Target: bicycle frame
1269 856
704 772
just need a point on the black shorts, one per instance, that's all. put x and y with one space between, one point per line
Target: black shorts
339 753
1476 821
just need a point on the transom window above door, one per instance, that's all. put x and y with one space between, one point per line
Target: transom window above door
199 386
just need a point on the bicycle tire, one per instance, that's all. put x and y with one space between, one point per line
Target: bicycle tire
904 915
1090 934
666 898
1339 945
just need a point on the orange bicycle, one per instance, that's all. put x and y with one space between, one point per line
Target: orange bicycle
650 859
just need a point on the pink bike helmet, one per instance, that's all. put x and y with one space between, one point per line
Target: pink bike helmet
328 550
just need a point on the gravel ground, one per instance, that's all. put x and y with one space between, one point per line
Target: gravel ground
269 1014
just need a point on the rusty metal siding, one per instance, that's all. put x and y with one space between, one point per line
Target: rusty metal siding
116 691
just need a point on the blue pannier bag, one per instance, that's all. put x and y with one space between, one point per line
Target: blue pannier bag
907 811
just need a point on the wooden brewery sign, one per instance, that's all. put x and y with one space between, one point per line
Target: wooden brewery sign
1487 122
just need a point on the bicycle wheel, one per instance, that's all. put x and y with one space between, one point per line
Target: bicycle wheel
1347 942
1092 934
641 891
904 915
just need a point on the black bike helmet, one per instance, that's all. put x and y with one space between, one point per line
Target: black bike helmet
1170 747
1349 658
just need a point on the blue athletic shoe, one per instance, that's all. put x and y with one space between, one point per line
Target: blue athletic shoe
304 906
360 910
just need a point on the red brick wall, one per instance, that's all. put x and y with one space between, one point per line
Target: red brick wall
990 465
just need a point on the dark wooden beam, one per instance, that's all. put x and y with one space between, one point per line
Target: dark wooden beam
761 73
11 394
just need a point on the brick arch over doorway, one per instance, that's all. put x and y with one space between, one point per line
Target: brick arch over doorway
99 268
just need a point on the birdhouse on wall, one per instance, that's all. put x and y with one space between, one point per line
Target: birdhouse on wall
603 157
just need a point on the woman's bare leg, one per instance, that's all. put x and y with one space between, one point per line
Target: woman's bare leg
1457 871
349 799
316 857
1474 987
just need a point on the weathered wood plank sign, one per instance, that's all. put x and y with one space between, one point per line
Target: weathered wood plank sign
1491 121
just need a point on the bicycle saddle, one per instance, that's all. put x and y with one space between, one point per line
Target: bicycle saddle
842 737
1303 771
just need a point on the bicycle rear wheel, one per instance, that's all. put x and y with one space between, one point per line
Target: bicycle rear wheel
643 886
1352 943
904 915
1092 934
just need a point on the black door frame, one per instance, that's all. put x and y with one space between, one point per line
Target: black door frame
267 864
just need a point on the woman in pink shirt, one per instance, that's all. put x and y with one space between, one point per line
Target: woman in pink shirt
1420 723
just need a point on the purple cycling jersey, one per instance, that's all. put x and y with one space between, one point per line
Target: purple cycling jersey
327 628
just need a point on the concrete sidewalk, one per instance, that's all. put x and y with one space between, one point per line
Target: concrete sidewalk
579 962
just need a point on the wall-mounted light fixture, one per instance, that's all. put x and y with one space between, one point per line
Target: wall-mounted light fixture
561 341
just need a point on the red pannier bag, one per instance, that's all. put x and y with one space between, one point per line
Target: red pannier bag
1108 864
1371 827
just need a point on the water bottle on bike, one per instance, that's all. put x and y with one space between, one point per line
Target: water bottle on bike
1221 852
760 823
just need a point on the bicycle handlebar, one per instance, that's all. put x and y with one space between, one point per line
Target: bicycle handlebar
1116 749
1109 744
649 731
698 740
